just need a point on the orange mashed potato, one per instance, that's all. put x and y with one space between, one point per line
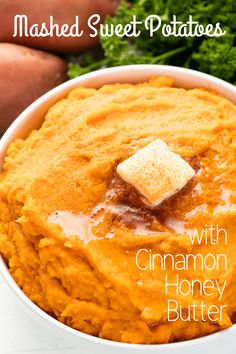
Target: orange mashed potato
71 229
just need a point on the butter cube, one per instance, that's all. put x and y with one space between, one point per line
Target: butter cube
156 172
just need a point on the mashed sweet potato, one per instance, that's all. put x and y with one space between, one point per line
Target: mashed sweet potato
71 230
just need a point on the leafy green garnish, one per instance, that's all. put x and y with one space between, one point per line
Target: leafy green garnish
216 56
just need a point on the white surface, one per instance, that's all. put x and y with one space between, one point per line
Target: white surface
20 334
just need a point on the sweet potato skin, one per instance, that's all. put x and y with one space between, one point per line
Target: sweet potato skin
26 74
39 11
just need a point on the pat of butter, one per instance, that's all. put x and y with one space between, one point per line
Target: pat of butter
156 172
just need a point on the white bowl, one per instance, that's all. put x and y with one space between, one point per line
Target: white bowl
32 117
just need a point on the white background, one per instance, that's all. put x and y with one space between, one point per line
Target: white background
20 334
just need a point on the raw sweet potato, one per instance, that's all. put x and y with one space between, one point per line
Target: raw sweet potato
63 12
25 75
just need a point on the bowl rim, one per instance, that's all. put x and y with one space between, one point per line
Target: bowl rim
11 134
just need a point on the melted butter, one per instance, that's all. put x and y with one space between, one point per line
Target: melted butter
73 224
123 205
200 209
130 216
114 209
226 205
178 226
